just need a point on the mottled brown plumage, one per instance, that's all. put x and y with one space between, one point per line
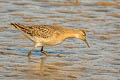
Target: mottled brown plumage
49 35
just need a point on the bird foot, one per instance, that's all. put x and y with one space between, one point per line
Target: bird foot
58 55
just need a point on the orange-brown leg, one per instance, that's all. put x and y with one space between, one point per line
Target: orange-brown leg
44 52
29 53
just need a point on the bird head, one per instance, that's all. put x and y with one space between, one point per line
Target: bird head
81 34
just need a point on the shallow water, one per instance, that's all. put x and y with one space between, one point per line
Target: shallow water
77 61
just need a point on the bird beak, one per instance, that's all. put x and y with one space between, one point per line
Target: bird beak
86 43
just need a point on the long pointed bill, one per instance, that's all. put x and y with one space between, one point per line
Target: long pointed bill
86 43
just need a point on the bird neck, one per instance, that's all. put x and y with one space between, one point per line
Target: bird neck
71 33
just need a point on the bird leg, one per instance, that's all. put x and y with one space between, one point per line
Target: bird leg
29 53
44 52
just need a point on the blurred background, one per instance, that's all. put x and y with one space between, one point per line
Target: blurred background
101 18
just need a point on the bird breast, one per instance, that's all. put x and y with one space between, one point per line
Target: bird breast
51 41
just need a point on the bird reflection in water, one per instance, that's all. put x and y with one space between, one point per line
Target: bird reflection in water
46 69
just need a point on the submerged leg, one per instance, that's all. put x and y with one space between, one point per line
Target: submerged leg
48 54
29 53
44 52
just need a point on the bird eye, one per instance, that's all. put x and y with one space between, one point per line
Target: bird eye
84 34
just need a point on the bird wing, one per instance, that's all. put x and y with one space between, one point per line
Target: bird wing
42 31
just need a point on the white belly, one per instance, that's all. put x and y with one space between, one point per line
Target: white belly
47 41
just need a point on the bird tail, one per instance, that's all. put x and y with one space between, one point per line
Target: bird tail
18 26
24 29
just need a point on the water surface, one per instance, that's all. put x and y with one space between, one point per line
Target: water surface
78 62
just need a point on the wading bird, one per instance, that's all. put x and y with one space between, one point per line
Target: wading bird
49 35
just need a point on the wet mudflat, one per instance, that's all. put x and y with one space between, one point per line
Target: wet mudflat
100 18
